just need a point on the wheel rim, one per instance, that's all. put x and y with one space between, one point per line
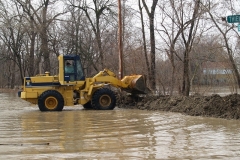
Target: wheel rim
51 102
105 100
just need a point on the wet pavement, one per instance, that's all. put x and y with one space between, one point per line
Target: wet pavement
75 133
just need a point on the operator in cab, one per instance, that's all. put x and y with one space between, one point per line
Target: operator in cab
69 68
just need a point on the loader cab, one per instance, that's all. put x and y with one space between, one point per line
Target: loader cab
73 70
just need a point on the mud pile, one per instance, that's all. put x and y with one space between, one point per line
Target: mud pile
227 107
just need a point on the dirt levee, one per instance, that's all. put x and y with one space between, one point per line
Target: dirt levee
227 107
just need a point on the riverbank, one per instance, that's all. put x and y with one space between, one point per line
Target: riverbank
227 107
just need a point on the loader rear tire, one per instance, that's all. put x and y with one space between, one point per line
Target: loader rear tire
104 99
50 100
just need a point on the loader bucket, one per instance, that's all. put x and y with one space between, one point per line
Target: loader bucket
136 84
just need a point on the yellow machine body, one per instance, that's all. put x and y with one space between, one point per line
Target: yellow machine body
74 88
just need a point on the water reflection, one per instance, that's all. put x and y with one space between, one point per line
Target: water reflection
76 133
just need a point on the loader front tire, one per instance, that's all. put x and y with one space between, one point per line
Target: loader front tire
50 100
104 99
88 105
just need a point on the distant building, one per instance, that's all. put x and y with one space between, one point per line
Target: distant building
217 73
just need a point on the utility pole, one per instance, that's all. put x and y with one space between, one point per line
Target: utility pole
120 43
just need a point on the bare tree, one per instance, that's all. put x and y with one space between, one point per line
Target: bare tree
42 20
179 24
152 41
170 36
188 46
77 38
224 33
99 8
12 36
144 40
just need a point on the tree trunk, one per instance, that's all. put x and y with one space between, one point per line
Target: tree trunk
152 77
44 40
152 43
186 80
188 45
32 47
13 74
144 41
171 58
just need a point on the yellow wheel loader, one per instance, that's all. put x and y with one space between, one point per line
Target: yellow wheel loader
70 87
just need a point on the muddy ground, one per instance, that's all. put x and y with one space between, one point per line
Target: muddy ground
227 107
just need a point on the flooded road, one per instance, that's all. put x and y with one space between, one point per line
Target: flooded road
75 133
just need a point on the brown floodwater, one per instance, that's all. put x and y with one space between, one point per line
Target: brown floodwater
75 133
